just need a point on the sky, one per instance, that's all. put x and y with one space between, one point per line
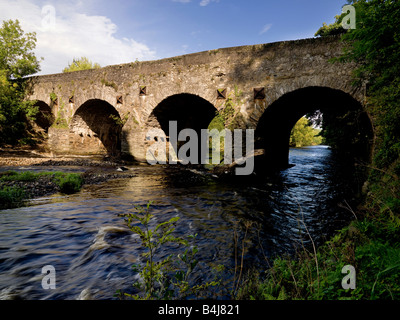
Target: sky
121 31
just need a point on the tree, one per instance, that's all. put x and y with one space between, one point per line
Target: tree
375 46
16 51
331 29
81 64
303 134
17 61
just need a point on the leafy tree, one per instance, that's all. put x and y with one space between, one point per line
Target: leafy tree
16 51
17 61
375 46
331 29
303 134
81 64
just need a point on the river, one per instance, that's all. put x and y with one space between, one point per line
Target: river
86 240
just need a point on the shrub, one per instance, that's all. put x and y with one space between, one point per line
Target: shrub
11 197
70 183
168 277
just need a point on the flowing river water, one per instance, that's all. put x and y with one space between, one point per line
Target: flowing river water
86 240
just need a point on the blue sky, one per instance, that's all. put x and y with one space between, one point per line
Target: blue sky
113 32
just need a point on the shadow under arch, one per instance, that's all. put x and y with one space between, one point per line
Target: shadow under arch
274 127
188 110
96 129
44 118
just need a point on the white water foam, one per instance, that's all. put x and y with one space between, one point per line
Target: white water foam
99 242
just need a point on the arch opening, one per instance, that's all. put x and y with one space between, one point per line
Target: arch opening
96 129
44 118
352 134
188 110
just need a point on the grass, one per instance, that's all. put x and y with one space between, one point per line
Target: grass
13 196
377 265
27 176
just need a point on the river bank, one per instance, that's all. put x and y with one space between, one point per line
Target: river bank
89 171
22 157
361 261
24 175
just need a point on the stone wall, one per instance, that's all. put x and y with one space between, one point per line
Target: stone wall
252 76
59 140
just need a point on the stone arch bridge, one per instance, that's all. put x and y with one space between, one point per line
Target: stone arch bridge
265 87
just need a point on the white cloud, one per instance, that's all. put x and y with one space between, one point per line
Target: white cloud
265 28
73 34
204 3
182 1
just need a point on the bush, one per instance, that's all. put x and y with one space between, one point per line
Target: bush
70 183
168 277
11 197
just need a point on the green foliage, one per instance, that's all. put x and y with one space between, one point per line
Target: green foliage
18 176
109 84
332 29
82 63
228 117
224 117
53 97
303 134
362 244
11 197
60 123
375 46
69 183
17 60
166 278
120 122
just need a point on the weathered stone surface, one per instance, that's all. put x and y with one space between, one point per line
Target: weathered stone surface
130 93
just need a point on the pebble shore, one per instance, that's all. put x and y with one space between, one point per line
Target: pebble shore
93 172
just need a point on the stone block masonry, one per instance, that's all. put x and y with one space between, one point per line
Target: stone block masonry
110 110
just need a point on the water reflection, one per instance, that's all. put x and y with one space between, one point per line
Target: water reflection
86 240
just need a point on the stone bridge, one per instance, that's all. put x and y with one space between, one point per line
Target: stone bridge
264 87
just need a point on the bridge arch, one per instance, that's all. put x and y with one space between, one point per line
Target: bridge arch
95 128
190 111
275 125
44 118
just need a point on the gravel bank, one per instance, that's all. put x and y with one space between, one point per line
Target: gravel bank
95 171
44 186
